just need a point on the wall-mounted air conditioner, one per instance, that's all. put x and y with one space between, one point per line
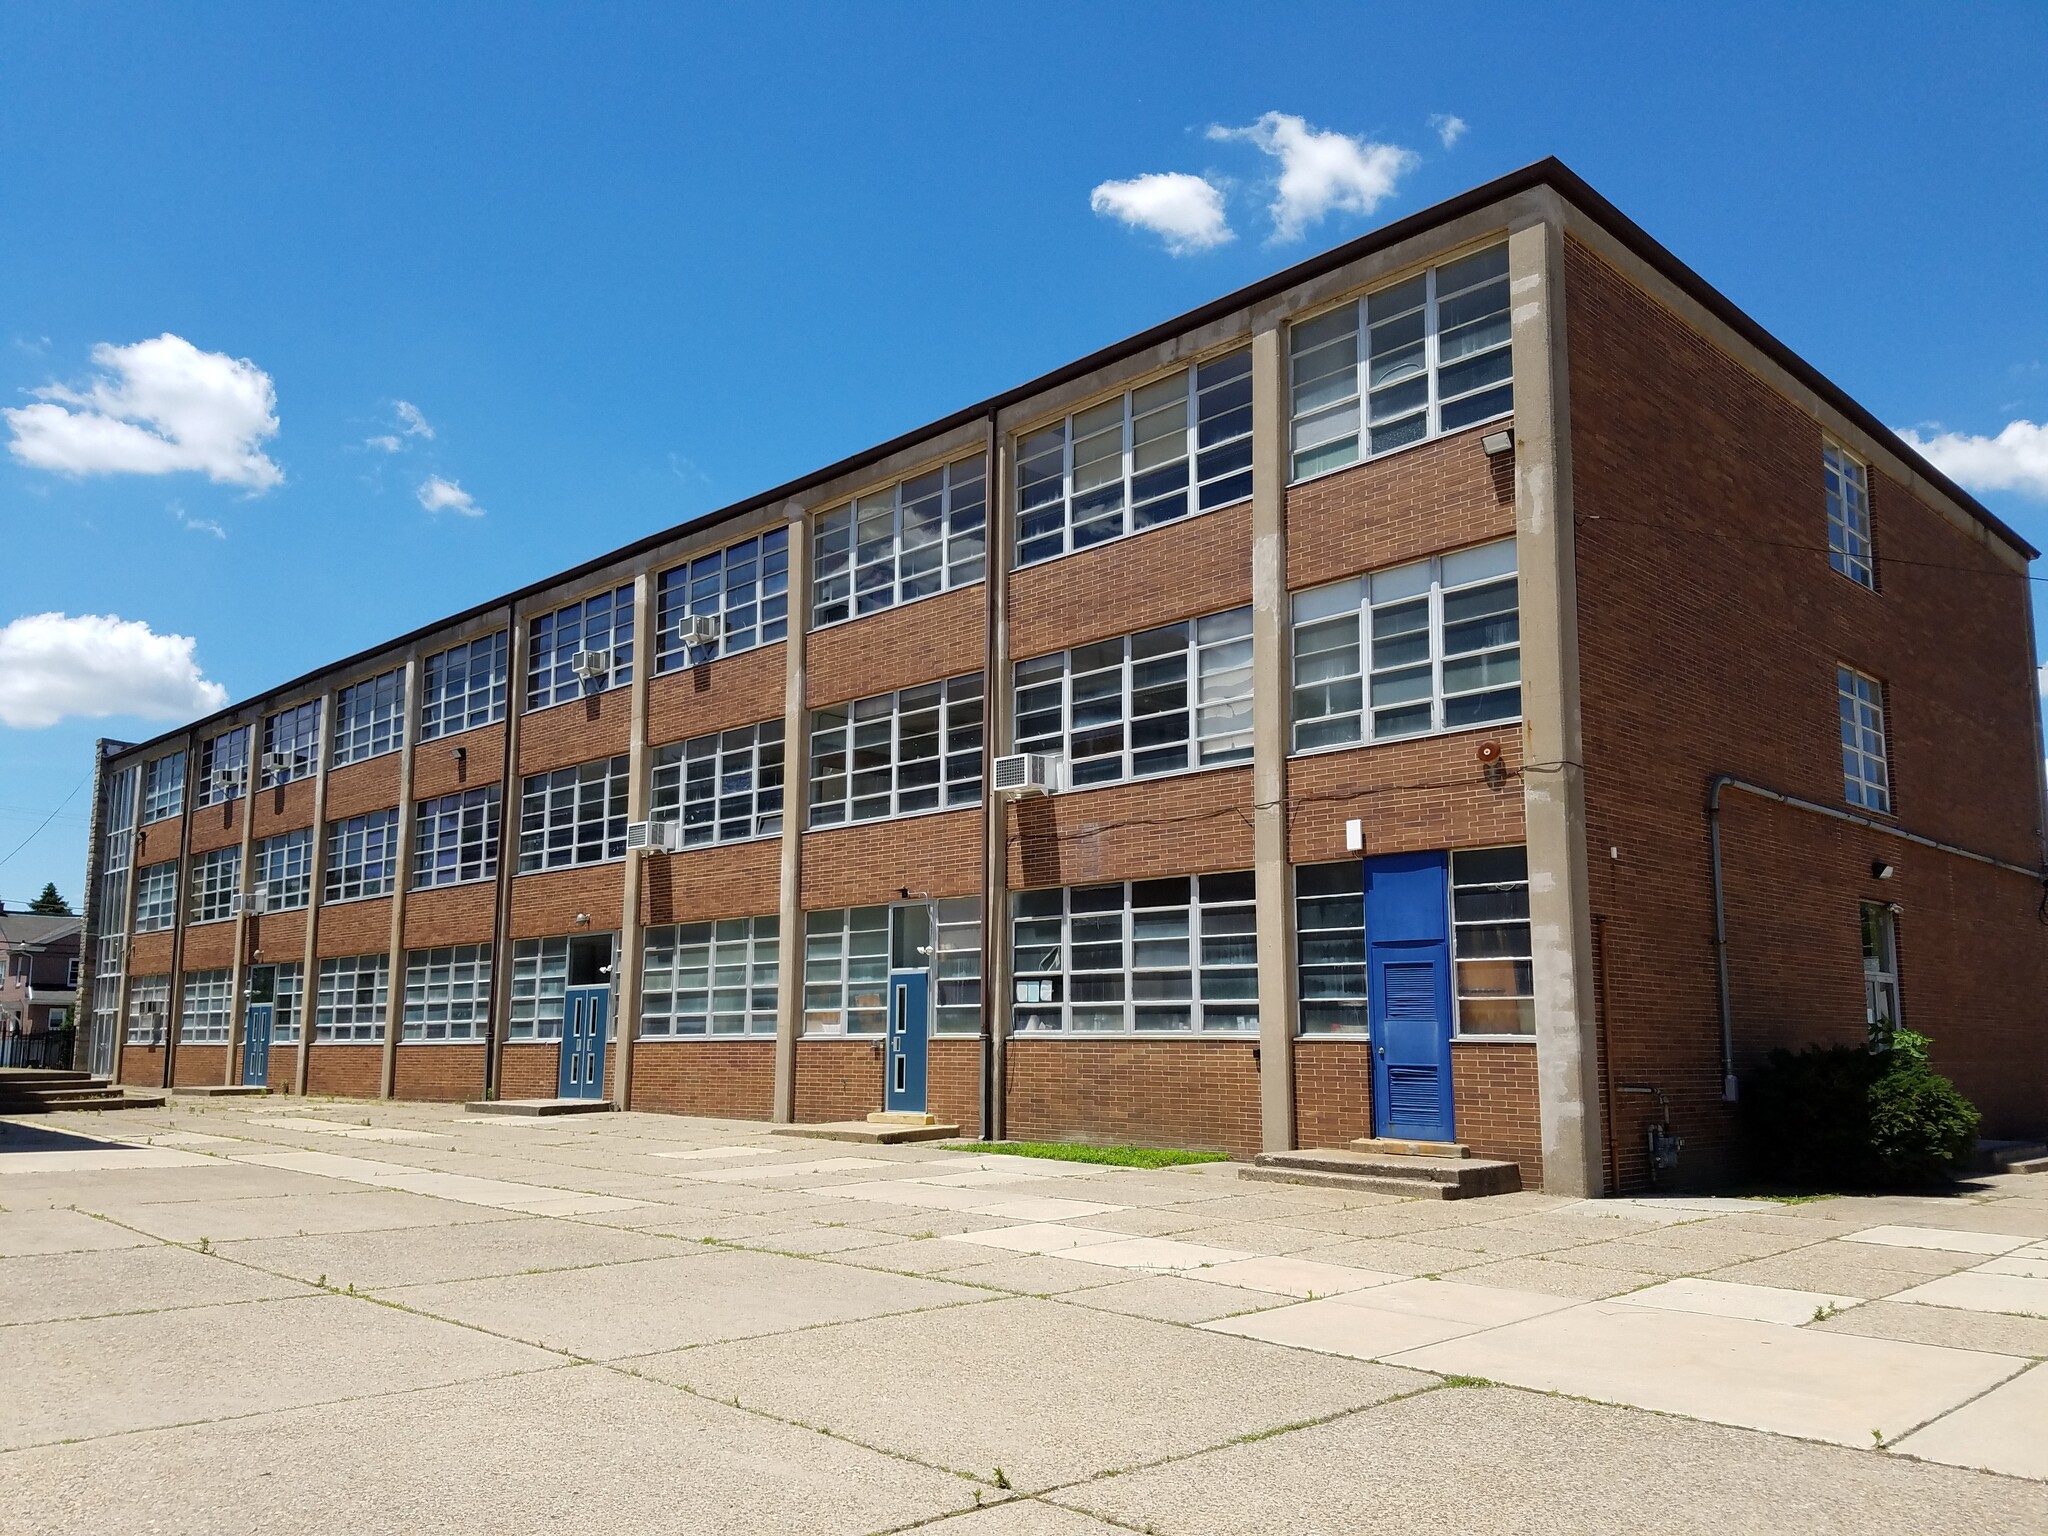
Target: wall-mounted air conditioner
1027 773
259 897
694 629
226 778
654 836
277 762
591 666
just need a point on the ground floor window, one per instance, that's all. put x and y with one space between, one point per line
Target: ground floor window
447 993
203 1010
846 971
717 978
287 1002
956 966
149 1003
1880 969
354 992
1329 947
1490 942
540 975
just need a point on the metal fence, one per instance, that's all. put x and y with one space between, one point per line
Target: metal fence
50 1048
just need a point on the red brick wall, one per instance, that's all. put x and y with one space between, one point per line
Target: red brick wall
142 1066
209 947
579 731
716 695
732 880
346 1071
1493 1101
1182 825
149 954
284 1066
1410 795
444 1073
838 1079
1172 572
213 826
435 772
728 1079
371 785
451 914
921 642
1199 1094
873 861
352 928
953 1082
281 936
200 1064
531 1069
546 904
282 809
1332 1091
1410 505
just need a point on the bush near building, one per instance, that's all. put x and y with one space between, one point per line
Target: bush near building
1857 1117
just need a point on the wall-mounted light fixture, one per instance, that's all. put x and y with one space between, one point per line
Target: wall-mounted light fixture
1497 443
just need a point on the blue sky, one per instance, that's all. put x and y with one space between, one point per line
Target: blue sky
626 265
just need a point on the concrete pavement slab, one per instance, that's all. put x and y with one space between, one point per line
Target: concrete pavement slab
1849 1269
709 1154
1942 1239
42 1230
1390 1319
2005 1430
352 1209
1037 1237
1155 1253
211 1179
1173 1299
2016 1264
1289 1275
918 1254
1975 1291
1034 1274
1581 1282
1397 1256
1025 1517
1994 1332
472 1250
1759 1303
110 1158
50 1286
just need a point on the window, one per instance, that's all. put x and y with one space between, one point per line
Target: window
573 816
1490 945
362 856
288 1001
163 788
463 687
369 718
106 990
353 993
956 966
1156 955
224 766
1433 646
1329 947
722 788
914 539
1436 358
117 851
1169 699
540 975
745 587
216 880
846 971
916 750
149 1004
71 968
156 897
1848 491
1880 971
1860 701
456 838
601 623
203 1009
447 993
717 978
284 871
1181 444
291 744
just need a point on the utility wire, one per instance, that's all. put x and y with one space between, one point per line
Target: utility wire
48 819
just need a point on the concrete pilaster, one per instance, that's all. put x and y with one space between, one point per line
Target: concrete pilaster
232 1068
124 920
394 1009
796 809
999 737
639 790
508 855
309 983
174 1005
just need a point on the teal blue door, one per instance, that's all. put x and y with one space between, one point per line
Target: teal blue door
584 1011
1408 994
910 1033
256 1045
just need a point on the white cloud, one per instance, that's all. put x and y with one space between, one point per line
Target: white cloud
2015 460
438 495
384 444
1322 172
196 524
411 420
157 408
1448 127
1186 211
52 666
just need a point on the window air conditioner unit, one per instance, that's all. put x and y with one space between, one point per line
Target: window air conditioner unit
654 836
1027 773
259 897
277 762
698 629
591 665
227 778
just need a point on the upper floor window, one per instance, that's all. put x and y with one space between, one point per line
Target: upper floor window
224 766
1848 492
742 589
283 872
117 851
369 717
1866 781
156 897
1433 646
447 993
291 744
455 838
463 687
362 856
163 788
1178 445
702 979
914 539
1175 697
1435 357
600 626
573 815
914 750
1492 952
722 788
215 880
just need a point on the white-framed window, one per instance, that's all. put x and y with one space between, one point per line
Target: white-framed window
717 978
956 966
291 744
1172 698
1435 358
455 838
117 850
1155 454
918 749
1880 970
573 815
1432 646
106 990
369 717
447 993
1175 955
71 968
215 880
283 870
1491 953
224 766
744 586
163 788
204 1008
149 1005
1848 497
846 971
1329 947
463 687
723 788
600 622
287 1003
1866 780
156 897
892 546
540 976
362 856
349 1008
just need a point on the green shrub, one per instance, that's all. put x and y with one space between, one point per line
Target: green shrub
1843 1115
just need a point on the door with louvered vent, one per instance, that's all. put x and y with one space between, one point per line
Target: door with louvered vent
1408 992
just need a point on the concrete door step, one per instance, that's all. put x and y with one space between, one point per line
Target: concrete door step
220 1090
873 1133
902 1117
1389 1146
1426 1178
539 1107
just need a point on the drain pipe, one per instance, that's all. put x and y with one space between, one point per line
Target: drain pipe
1721 781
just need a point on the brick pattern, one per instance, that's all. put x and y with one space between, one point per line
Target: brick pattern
837 1079
733 880
142 1066
436 772
921 642
353 928
726 1079
284 1067
281 809
370 785
1493 1105
1176 571
278 937
1418 502
1185 824
347 1071
209 946
547 904
1432 792
953 1082
1198 1094
531 1069
438 1073
579 731
717 695
213 826
149 954
873 861
199 1065
451 914
1332 1091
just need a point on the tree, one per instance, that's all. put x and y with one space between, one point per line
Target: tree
50 904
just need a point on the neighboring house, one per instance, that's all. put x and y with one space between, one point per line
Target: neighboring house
39 991
1384 636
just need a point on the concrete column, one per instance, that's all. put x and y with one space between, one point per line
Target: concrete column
401 877
508 856
639 790
232 1072
999 737
1271 674
309 989
1553 782
796 811
174 1006
124 921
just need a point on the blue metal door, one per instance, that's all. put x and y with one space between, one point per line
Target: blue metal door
1408 994
584 1011
910 1028
256 1045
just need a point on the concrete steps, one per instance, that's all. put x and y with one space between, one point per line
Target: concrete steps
539 1107
39 1090
221 1090
1379 1173
873 1133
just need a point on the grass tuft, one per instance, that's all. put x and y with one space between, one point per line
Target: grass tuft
1080 1152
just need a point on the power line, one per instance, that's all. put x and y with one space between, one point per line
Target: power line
49 818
